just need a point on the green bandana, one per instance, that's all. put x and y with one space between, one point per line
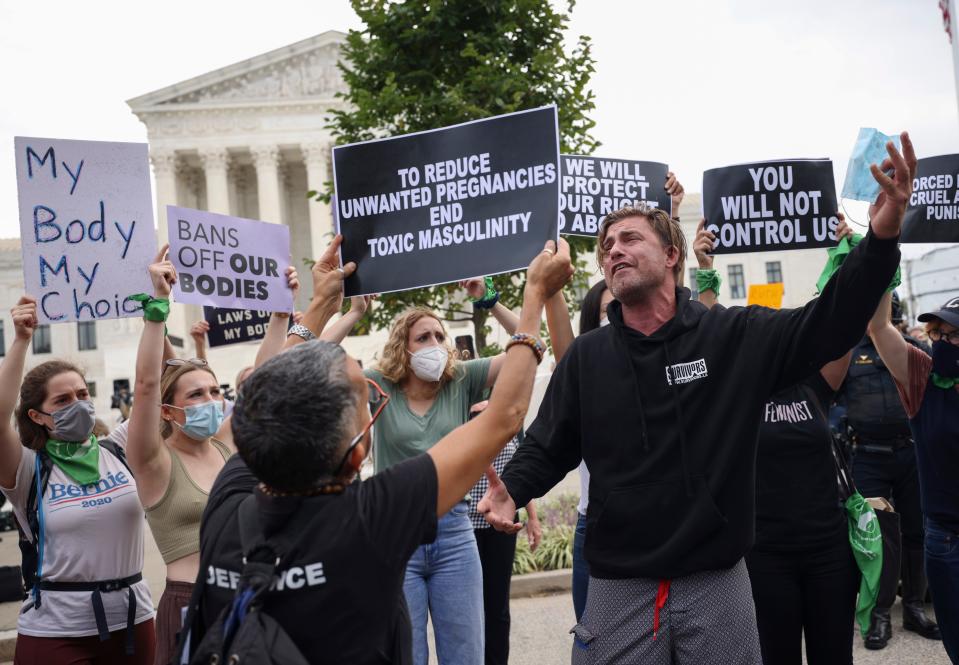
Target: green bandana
944 382
838 254
708 279
154 309
80 461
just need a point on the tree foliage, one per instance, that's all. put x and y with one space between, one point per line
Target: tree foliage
420 65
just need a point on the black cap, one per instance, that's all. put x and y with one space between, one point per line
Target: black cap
948 313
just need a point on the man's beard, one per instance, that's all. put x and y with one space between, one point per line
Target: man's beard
637 289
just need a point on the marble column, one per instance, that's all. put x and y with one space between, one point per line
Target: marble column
266 160
164 171
316 157
216 162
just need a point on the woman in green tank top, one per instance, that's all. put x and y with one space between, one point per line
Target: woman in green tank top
176 452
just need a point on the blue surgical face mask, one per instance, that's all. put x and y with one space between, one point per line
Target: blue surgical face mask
870 148
202 420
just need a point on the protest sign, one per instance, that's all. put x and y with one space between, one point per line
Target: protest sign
933 212
593 187
228 261
86 226
434 207
233 326
766 295
768 206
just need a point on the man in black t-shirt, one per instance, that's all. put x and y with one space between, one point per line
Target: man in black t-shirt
302 430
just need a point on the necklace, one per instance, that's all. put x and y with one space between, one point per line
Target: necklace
328 488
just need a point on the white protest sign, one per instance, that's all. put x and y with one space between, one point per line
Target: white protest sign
86 226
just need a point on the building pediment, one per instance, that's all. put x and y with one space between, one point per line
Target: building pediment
304 71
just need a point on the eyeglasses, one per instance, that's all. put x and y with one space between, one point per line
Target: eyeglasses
377 399
951 337
177 362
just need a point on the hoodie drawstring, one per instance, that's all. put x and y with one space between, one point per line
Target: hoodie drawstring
679 423
662 594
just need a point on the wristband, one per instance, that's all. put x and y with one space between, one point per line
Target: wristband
836 256
490 298
708 280
154 309
534 343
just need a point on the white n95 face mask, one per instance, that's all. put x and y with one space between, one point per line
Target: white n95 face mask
428 364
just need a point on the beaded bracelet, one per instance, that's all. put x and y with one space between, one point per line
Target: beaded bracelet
534 343
708 280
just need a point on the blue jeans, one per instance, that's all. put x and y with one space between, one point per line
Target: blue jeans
942 571
580 569
445 579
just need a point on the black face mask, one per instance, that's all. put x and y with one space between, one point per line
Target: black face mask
945 359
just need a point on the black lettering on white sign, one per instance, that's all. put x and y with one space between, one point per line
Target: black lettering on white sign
434 207
767 206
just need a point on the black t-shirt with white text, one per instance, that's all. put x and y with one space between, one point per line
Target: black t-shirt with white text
339 586
797 496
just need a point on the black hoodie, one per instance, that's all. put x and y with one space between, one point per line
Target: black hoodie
668 423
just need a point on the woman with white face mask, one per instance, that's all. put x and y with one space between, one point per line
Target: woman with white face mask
179 441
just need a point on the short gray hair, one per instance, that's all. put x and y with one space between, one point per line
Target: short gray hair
292 422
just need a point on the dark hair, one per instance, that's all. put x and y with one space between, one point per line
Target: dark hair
33 392
589 309
292 421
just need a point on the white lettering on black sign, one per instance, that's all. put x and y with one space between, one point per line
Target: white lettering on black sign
434 207
933 213
771 206
593 187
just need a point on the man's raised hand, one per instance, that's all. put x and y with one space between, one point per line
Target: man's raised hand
890 207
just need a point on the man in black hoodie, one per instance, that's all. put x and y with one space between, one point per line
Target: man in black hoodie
671 498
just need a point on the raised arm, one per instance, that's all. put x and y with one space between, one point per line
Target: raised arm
275 336
337 331
462 456
892 347
702 246
149 459
559 325
11 376
198 332
327 291
797 343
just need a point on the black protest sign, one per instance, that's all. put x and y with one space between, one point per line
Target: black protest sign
933 212
593 187
767 206
232 326
434 207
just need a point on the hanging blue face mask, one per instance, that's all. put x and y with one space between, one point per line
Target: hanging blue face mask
202 420
870 148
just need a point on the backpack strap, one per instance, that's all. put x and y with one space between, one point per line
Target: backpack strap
31 537
117 451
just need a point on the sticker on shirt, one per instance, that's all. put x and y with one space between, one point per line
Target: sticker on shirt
686 372
788 412
103 492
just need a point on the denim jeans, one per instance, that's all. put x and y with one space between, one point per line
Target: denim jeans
580 569
445 579
942 571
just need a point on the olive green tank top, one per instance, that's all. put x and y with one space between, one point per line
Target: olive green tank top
175 518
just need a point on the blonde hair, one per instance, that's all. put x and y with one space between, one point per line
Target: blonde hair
668 230
394 364
171 375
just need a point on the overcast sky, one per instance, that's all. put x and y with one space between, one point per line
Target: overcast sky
697 84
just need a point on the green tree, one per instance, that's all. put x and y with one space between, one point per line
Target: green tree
419 65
